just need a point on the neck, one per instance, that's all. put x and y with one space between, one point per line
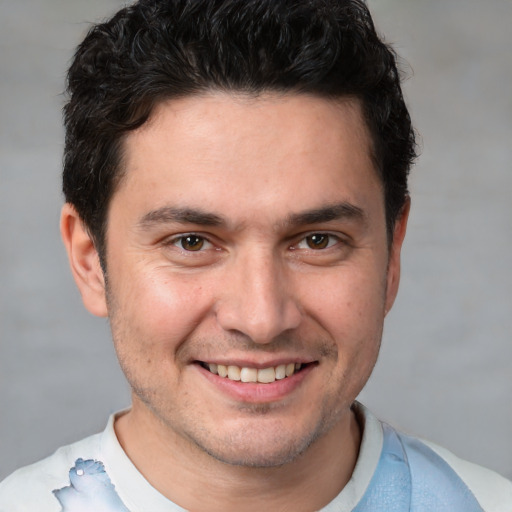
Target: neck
177 468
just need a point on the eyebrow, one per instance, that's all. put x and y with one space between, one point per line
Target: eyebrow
169 214
327 213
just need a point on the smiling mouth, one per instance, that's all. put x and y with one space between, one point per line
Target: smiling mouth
258 375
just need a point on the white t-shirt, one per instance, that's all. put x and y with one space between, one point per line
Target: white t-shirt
394 473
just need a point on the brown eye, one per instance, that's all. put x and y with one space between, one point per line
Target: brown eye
317 241
192 243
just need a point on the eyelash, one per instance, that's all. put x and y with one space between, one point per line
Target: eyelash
182 238
332 240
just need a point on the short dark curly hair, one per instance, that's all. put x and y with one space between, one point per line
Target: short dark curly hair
156 50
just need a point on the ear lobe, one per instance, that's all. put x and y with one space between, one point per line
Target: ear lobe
393 277
84 261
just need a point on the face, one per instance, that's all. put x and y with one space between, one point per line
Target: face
248 238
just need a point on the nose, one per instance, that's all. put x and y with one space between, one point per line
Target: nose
257 299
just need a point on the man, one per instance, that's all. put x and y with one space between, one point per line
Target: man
236 199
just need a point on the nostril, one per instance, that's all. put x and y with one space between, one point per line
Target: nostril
259 308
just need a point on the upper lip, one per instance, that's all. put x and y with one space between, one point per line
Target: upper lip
244 363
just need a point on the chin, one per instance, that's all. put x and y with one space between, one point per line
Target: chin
256 456
260 447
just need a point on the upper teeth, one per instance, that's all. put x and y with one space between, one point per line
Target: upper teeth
262 375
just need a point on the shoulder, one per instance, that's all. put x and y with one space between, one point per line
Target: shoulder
433 467
493 492
31 488
431 476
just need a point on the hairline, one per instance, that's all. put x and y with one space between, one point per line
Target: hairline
354 100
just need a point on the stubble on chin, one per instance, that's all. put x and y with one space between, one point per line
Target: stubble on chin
257 442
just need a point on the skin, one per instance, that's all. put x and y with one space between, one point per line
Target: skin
254 181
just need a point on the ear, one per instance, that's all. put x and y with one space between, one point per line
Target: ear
393 277
84 261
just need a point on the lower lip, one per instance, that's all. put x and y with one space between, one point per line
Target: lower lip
253 392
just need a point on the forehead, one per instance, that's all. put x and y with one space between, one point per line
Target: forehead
225 151
271 115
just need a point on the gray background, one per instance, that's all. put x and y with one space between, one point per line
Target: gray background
445 368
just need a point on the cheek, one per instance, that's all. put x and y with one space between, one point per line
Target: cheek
154 310
349 302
